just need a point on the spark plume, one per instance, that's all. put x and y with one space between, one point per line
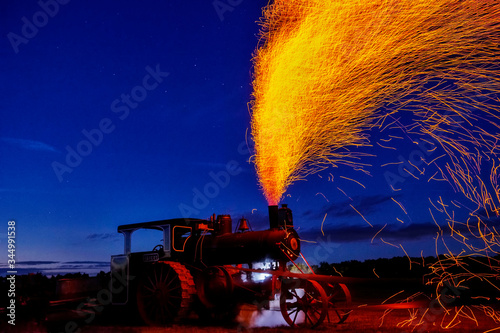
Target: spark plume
326 72
329 73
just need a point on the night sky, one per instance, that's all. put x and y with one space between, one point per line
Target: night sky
124 111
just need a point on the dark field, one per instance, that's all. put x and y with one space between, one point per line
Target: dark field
367 317
364 319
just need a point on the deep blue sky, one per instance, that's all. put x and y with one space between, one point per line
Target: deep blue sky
64 80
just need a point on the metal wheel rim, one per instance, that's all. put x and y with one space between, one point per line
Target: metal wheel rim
338 294
313 305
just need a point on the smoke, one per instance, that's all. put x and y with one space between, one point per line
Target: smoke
251 316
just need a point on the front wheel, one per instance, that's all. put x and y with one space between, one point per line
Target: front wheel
303 303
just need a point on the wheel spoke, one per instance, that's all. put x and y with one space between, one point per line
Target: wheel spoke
295 318
157 313
161 313
164 293
167 310
149 289
151 283
175 287
313 303
308 317
156 278
170 282
316 310
166 277
161 275
338 314
339 296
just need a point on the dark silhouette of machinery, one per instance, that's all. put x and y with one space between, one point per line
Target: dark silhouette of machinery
203 265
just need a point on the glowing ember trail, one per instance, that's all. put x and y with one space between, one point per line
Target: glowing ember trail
328 71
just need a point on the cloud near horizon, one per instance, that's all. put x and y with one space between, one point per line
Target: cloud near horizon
57 267
30 144
351 233
101 236
367 204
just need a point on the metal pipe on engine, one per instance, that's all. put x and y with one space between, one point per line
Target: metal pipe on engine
273 217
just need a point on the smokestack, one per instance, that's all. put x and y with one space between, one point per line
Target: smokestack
273 217
285 217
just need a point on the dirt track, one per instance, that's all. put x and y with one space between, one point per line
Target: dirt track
362 320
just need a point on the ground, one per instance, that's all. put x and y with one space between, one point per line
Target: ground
364 319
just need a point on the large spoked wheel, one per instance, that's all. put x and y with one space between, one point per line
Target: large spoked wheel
164 293
303 303
339 302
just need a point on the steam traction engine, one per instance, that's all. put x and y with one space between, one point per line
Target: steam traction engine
203 265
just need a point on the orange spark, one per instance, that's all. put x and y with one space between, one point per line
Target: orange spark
385 225
324 69
363 186
400 205
326 72
324 218
361 215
